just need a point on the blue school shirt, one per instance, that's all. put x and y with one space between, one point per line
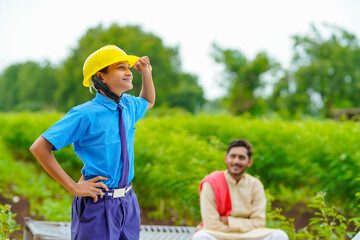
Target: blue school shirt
93 128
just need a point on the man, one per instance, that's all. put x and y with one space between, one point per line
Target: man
102 131
232 202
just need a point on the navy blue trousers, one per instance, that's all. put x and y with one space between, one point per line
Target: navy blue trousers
108 219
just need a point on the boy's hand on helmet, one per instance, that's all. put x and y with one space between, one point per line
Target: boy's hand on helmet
143 66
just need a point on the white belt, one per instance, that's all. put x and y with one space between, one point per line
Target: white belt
118 192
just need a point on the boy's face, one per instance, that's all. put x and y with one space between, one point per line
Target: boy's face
118 77
237 161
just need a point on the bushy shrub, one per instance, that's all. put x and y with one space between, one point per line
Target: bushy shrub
46 197
20 130
173 153
327 223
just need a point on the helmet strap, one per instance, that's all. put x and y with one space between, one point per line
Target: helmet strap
99 85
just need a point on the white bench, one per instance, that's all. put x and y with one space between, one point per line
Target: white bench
61 231
357 236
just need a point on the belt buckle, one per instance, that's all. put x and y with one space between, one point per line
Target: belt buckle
120 192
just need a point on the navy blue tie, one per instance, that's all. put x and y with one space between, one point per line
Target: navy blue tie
124 151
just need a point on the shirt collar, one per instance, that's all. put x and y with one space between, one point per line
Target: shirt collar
230 179
107 102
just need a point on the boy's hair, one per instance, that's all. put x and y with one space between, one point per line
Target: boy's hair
104 70
241 143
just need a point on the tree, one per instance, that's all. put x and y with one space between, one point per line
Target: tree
8 88
325 72
35 86
286 100
187 95
28 85
243 79
167 75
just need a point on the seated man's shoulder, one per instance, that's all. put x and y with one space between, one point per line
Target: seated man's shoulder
253 179
214 175
215 179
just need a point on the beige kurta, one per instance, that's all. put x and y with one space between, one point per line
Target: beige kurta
248 207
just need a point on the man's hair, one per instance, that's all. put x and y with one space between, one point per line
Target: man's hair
241 143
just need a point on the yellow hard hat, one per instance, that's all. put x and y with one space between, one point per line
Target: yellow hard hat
104 57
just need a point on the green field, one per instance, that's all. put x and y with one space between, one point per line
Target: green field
293 159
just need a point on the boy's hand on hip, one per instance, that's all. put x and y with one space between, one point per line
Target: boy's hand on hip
89 188
143 66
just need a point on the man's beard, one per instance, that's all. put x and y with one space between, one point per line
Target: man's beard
237 173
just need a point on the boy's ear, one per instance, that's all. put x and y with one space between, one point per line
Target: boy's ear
99 75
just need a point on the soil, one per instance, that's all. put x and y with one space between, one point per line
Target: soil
298 213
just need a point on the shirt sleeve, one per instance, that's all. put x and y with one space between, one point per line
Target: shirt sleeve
258 210
66 131
209 214
141 105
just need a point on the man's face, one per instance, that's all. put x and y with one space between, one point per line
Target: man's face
237 161
118 78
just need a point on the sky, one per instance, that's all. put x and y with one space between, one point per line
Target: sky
39 30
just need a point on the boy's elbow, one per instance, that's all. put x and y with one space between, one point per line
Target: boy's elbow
151 104
39 144
31 149
34 147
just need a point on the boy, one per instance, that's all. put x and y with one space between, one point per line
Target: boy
102 131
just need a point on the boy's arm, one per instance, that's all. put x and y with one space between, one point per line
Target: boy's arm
148 90
41 149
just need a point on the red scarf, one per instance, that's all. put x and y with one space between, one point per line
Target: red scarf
221 190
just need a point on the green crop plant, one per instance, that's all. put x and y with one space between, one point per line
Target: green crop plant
8 224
